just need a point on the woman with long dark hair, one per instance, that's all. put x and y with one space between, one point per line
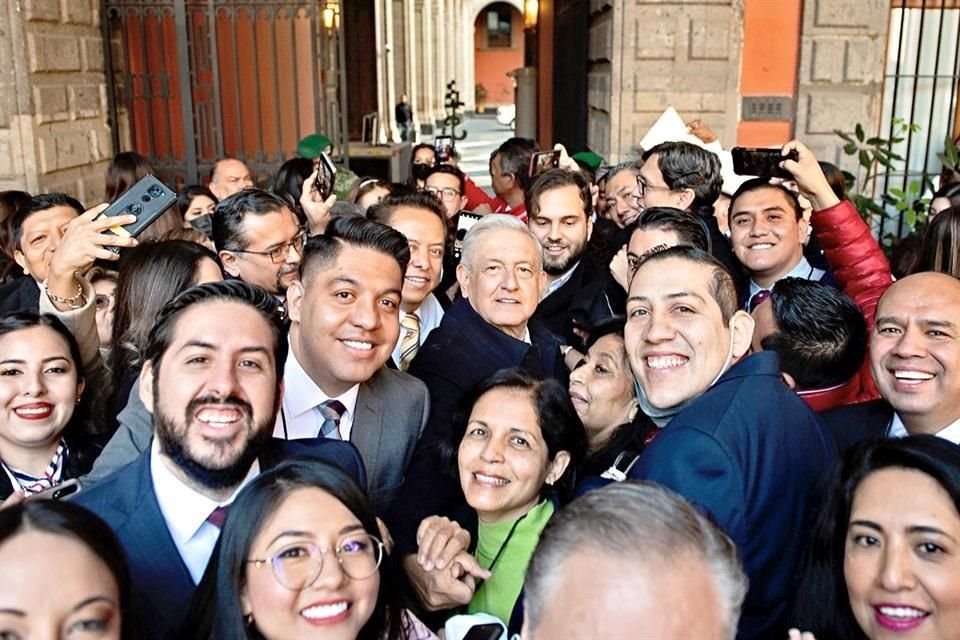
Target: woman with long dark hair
884 555
300 556
44 438
63 569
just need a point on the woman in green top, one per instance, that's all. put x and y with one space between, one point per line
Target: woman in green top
520 447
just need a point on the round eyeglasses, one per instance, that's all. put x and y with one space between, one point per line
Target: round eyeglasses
298 565
446 193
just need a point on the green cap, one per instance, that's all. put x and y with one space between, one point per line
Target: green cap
313 145
588 158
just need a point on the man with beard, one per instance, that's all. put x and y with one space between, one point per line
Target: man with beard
259 239
560 210
214 396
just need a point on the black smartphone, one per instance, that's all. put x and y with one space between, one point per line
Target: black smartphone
543 161
488 631
62 490
465 220
326 176
147 200
443 145
762 163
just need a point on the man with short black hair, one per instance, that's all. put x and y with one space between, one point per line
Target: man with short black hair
687 177
344 324
258 239
663 227
214 396
419 217
228 176
510 175
734 440
633 556
55 242
560 214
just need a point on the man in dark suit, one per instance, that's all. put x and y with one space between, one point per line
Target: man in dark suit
560 213
735 441
501 277
214 398
915 361
344 314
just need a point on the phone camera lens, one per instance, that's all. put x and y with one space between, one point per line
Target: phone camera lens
155 191
135 209
146 198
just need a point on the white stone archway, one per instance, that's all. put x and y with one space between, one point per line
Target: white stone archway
471 9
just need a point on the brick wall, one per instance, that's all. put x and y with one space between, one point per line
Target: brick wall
843 46
53 104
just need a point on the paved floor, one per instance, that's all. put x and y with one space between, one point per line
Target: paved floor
484 134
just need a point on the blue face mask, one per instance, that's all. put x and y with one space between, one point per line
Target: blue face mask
203 224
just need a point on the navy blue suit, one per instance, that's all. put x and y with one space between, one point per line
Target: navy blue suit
750 453
455 357
162 586
855 423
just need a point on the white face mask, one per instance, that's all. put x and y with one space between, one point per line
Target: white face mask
661 417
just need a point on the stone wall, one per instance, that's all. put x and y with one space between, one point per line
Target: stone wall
54 134
843 49
684 53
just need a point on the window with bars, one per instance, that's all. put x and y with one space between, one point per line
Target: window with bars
920 87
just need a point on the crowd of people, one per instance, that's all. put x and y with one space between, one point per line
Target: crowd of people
631 401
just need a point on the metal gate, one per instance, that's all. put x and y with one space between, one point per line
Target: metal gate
191 81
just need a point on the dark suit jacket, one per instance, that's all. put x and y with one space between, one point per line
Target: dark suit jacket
162 586
20 294
749 452
581 301
857 422
390 416
456 356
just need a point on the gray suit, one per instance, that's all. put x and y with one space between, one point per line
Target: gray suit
391 413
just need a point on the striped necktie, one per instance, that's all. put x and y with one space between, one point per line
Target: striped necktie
332 411
410 342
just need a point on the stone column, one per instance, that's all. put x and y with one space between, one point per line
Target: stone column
842 56
53 103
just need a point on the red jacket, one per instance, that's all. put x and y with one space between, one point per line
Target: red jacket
863 273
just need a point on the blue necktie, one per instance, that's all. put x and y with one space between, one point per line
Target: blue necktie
332 411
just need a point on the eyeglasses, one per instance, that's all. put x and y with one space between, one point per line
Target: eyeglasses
446 193
643 188
279 253
297 566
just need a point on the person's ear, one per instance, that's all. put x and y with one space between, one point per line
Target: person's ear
463 202
146 385
21 260
463 277
81 385
788 380
686 198
555 471
742 325
803 230
294 300
229 261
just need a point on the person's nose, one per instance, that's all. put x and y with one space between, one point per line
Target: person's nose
911 343
492 450
896 573
331 575
33 384
364 314
223 378
659 328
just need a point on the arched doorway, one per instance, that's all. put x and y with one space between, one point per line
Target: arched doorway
497 50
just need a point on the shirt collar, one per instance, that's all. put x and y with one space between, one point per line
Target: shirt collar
427 310
562 280
301 394
803 270
899 430
184 508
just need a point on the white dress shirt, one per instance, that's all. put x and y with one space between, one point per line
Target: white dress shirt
299 415
899 430
430 314
803 269
185 512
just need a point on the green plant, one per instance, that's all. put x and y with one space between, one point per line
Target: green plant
950 159
874 156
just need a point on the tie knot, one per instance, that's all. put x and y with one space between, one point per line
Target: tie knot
756 299
410 322
217 516
332 410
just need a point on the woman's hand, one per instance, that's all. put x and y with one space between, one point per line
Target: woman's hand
439 541
445 588
795 634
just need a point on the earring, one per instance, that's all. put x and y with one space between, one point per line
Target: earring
249 619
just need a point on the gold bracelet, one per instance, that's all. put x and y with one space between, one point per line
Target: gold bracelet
75 302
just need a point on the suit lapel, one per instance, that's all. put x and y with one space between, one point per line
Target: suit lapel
367 431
